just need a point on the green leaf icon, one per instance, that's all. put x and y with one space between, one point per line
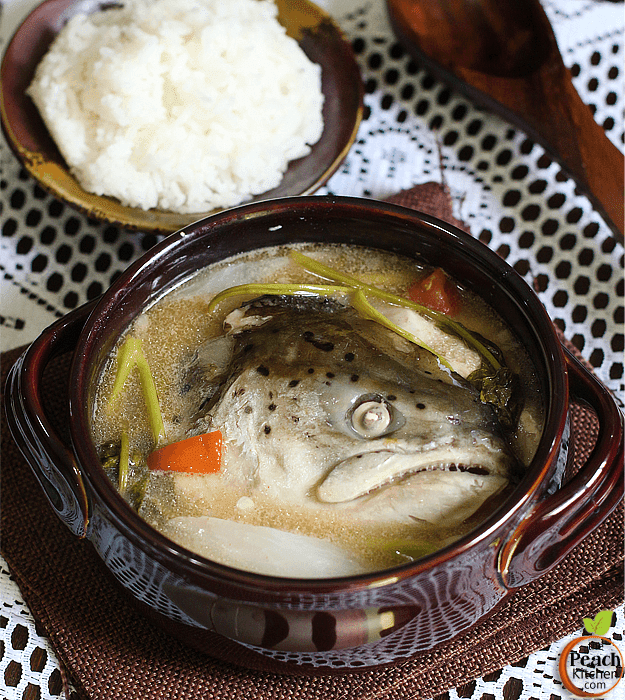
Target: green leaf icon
589 624
600 625
603 621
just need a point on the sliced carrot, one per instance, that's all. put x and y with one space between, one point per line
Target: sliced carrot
200 454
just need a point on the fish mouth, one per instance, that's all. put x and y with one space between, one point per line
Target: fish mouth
366 472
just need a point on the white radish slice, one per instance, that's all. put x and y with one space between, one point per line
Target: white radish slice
263 550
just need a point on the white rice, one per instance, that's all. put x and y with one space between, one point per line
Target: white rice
184 105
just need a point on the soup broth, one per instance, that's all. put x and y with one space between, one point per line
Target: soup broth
312 411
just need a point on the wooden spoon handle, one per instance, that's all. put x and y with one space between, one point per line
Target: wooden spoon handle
603 163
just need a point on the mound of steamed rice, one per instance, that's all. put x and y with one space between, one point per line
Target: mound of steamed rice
184 105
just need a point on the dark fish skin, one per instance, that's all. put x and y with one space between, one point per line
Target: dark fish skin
286 404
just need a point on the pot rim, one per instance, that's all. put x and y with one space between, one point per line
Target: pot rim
197 567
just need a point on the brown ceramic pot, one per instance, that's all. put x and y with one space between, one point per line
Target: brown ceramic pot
317 626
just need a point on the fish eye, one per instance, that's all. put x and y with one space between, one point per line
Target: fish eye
373 417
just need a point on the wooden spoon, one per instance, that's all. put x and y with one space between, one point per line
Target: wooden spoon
504 56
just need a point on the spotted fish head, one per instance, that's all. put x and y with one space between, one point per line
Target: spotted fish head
321 407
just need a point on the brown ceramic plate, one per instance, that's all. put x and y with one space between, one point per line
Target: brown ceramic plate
318 35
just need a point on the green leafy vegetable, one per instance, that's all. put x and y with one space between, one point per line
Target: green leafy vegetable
499 389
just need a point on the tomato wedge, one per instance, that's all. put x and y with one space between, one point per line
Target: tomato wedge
200 454
437 292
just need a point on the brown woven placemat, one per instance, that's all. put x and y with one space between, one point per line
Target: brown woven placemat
111 652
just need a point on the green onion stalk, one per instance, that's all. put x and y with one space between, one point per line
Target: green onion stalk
496 383
358 292
443 321
124 464
131 355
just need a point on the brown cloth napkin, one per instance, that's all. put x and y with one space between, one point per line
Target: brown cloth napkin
111 652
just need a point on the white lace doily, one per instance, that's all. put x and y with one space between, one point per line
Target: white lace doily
416 129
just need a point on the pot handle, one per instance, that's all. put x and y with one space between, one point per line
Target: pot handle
565 518
51 460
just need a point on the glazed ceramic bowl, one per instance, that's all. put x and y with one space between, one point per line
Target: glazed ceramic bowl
333 625
319 36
